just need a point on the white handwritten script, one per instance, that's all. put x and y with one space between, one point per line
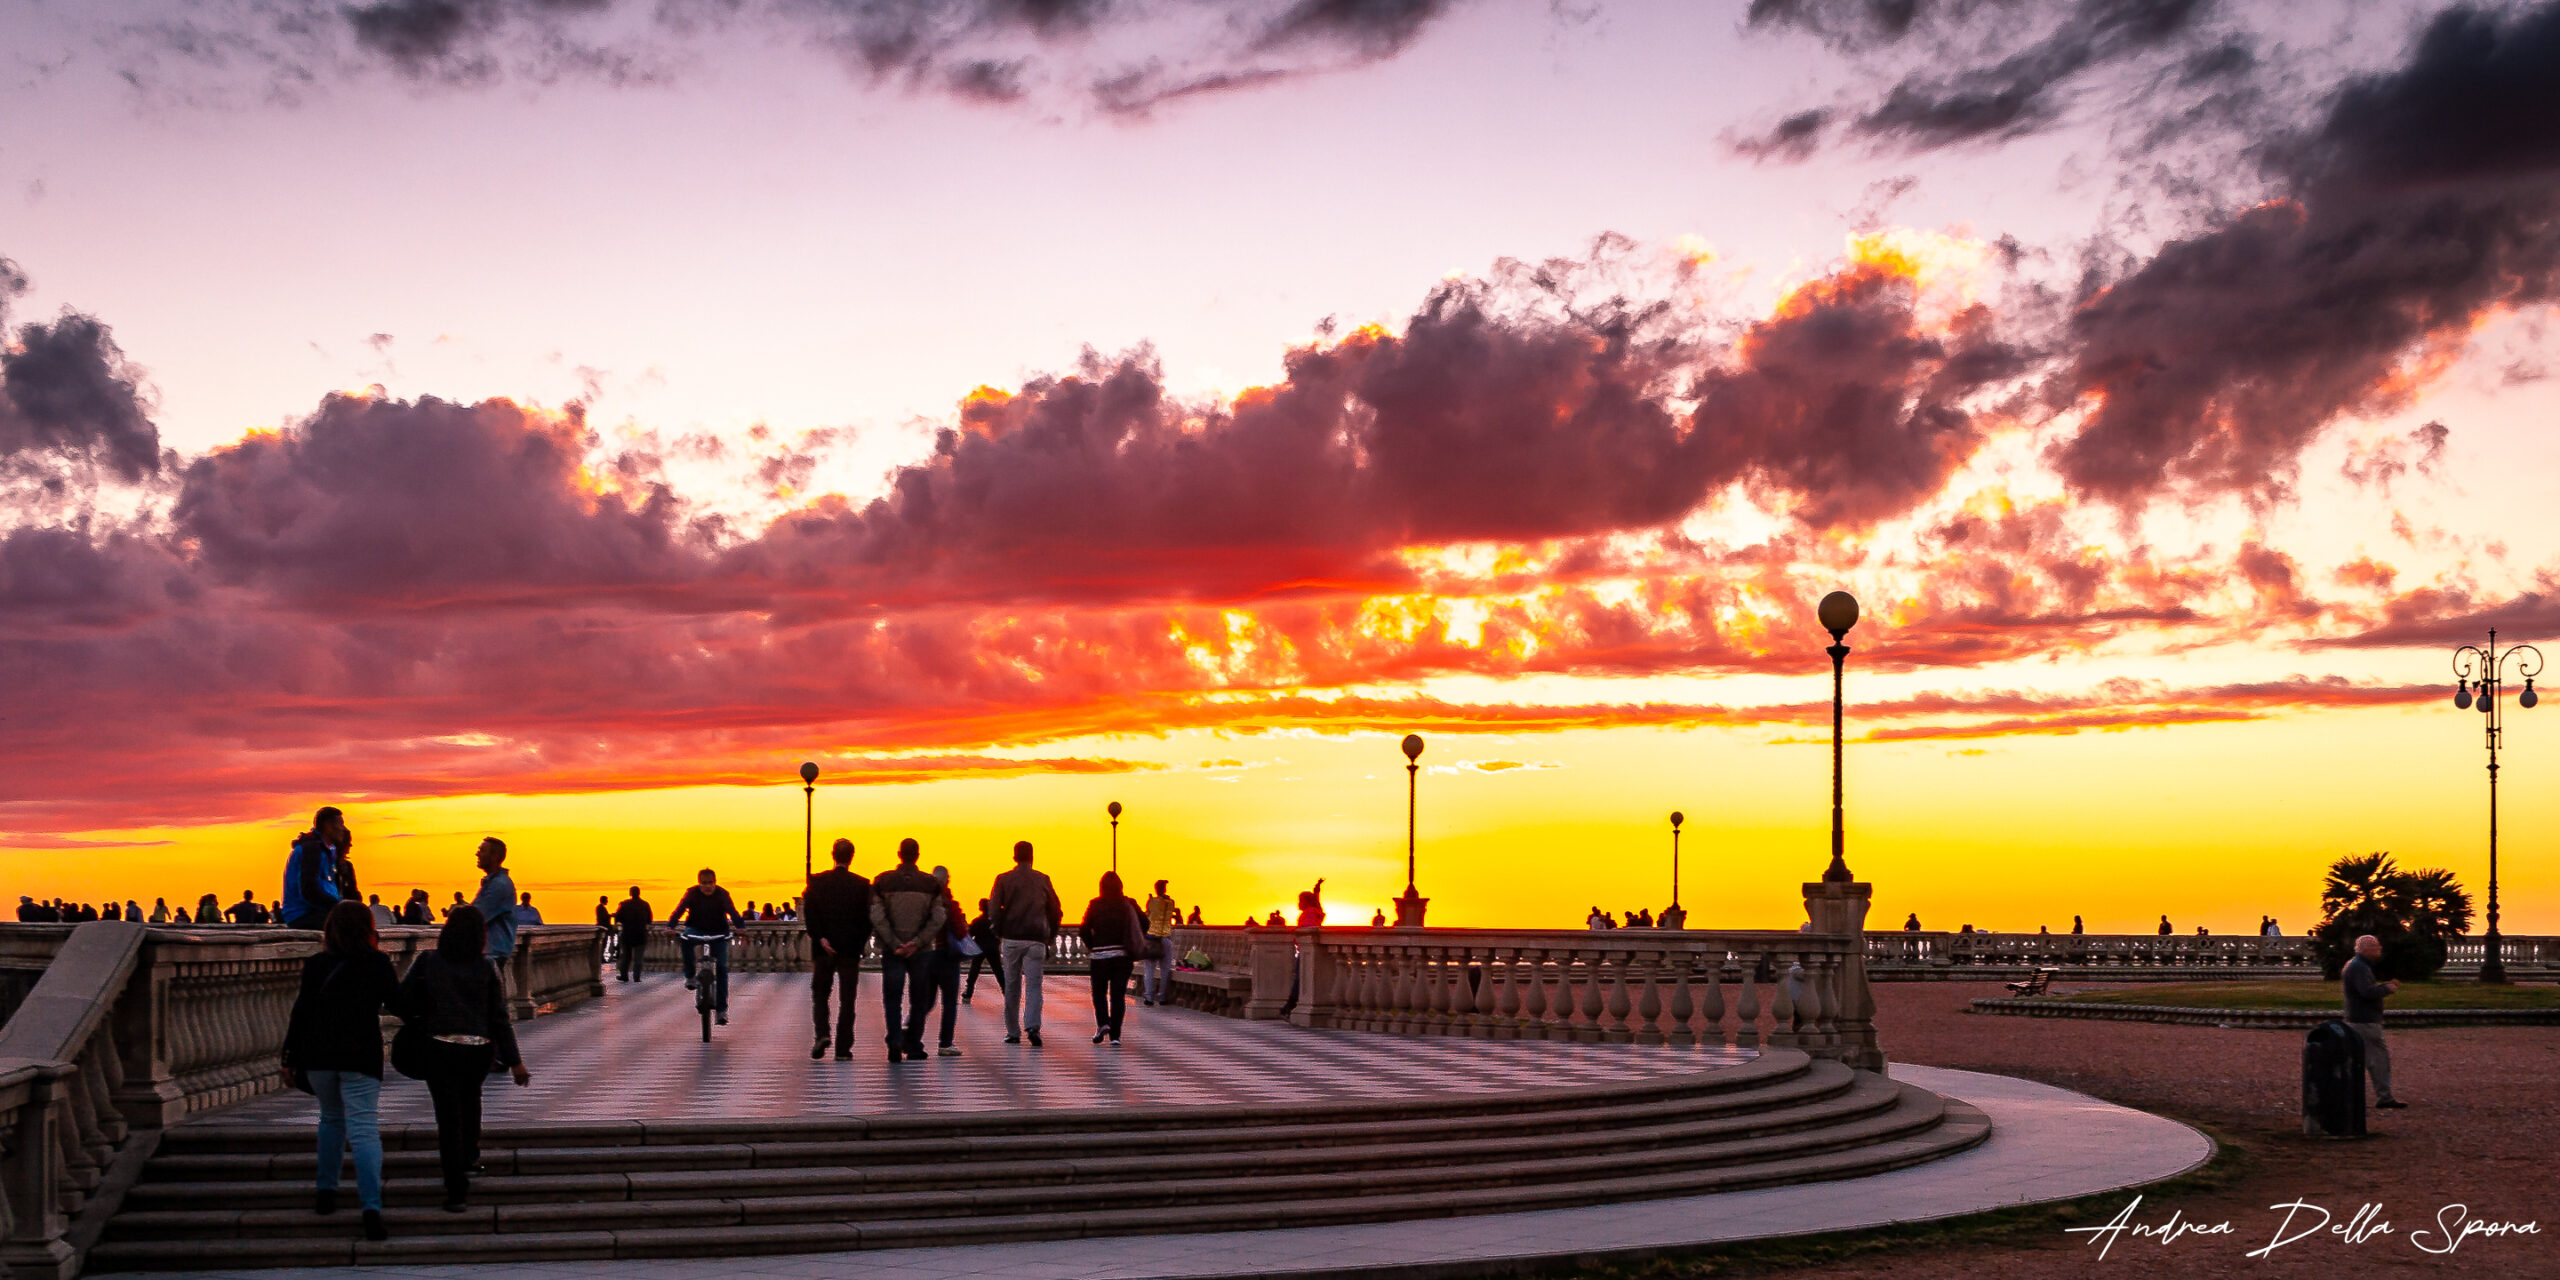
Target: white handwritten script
2303 1220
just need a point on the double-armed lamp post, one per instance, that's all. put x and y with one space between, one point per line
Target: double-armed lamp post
1410 907
808 814
2479 675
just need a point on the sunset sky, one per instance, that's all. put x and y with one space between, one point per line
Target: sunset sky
560 418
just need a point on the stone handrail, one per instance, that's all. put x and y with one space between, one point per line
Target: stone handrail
66 1126
782 946
133 1027
1229 949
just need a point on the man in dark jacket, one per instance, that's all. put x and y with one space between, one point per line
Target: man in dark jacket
633 919
2364 997
1027 914
836 909
908 917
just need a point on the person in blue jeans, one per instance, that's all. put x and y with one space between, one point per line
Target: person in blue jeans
707 908
909 914
333 1042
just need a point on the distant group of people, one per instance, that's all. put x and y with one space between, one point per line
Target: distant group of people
2267 927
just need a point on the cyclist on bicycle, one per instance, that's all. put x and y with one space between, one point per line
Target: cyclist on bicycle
707 912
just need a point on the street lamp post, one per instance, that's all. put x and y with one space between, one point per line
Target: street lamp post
1839 612
1675 916
1113 809
808 814
2478 676
1410 907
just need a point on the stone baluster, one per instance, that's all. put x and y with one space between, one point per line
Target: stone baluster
1433 1007
1532 980
1488 1021
1613 1015
1746 1010
1782 1003
1594 998
1649 1004
1506 1005
1711 1005
1683 1005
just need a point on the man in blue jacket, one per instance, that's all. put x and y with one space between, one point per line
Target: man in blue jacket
311 871
497 901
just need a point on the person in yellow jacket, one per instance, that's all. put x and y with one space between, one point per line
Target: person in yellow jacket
1162 918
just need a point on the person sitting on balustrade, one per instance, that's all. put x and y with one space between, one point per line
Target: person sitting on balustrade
312 884
248 910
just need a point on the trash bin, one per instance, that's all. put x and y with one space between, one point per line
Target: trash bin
2333 1082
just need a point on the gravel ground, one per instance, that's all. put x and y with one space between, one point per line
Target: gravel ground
2483 1130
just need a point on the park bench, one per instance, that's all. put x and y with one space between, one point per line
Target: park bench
2034 985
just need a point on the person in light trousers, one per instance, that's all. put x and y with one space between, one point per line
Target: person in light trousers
1027 914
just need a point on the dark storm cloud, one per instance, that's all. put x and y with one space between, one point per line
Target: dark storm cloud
2425 199
1120 55
428 504
67 394
1987 70
1483 420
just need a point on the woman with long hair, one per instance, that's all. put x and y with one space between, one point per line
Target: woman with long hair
333 1042
1112 931
452 997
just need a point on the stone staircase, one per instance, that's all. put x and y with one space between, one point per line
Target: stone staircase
239 1195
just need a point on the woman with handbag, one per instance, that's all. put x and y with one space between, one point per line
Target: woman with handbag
1113 934
457 1033
333 1050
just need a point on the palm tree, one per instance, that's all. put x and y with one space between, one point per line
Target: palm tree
2412 913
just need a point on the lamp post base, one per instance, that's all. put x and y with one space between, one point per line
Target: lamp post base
2493 966
1409 909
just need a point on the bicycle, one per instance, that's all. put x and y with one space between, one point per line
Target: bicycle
713 973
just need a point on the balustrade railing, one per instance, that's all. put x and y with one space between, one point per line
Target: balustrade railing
1662 987
132 1027
1899 955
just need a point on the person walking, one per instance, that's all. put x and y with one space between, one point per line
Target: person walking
908 916
985 950
311 885
1113 931
1027 913
708 910
631 949
333 1041
2364 997
453 1000
838 919
1157 950
946 962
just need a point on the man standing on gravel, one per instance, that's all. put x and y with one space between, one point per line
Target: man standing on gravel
1027 912
2364 1013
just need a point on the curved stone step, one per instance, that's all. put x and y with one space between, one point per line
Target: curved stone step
985 1157
1878 1111
1958 1127
1771 1066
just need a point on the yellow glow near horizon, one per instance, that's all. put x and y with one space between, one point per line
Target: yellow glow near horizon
2211 824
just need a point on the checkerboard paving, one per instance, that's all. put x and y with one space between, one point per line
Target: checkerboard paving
638 1054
